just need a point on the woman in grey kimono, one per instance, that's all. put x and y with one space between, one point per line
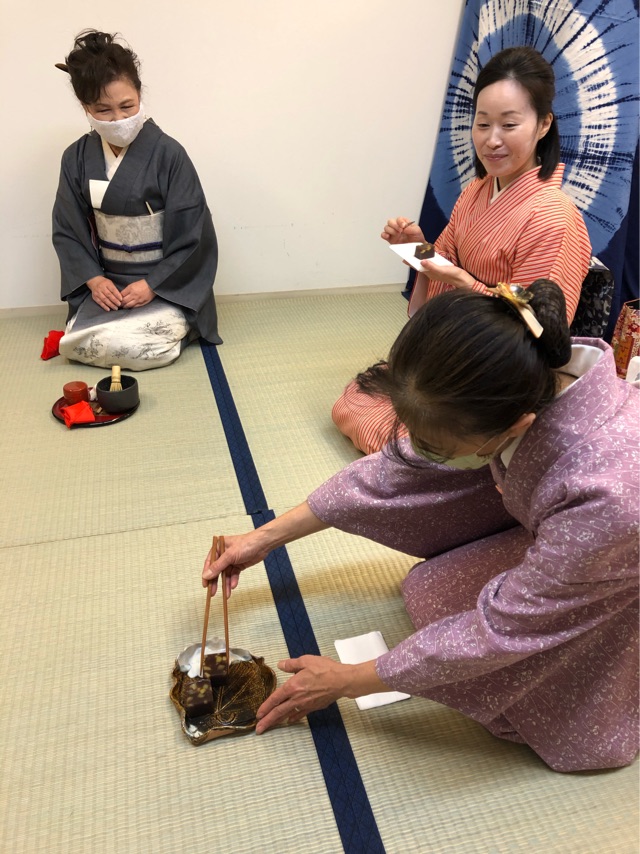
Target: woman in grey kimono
525 603
131 226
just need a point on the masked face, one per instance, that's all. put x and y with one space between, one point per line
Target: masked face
118 116
121 132
475 460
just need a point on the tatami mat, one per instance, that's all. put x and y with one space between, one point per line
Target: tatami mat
93 756
168 462
103 535
287 360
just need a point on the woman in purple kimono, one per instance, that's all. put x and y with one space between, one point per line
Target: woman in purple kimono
518 488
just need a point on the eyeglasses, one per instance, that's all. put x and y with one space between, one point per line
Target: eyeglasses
424 450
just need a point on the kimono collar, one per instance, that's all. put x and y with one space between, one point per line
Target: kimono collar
567 422
528 179
111 160
120 197
583 358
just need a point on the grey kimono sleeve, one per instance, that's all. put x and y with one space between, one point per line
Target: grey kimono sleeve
71 230
186 273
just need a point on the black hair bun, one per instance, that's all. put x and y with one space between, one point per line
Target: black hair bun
550 307
97 59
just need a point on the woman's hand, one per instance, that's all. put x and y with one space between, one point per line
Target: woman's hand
400 231
247 549
318 681
240 552
449 274
105 293
137 294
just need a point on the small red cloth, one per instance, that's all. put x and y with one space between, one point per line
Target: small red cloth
79 413
51 345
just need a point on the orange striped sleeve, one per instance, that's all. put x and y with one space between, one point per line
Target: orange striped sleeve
368 421
542 235
555 245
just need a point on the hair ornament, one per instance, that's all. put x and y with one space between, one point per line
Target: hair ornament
520 298
62 66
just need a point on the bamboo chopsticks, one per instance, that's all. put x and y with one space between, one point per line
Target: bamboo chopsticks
225 608
217 546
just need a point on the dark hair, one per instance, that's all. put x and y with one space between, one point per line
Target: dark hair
532 71
466 364
96 61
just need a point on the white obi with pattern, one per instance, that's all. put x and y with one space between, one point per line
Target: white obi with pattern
130 239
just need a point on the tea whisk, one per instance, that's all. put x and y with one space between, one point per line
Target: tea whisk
116 380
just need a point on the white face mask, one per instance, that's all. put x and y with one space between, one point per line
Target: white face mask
122 132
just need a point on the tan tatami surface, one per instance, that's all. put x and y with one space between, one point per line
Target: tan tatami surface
103 533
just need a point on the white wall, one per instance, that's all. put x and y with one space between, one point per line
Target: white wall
309 123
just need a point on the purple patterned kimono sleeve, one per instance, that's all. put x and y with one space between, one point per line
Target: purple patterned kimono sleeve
580 572
421 509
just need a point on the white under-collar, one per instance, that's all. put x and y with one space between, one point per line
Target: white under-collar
112 161
98 188
583 358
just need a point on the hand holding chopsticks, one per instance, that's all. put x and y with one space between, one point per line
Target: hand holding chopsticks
217 549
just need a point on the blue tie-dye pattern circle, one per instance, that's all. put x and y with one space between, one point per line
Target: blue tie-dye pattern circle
592 47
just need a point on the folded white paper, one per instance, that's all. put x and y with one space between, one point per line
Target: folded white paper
407 251
365 648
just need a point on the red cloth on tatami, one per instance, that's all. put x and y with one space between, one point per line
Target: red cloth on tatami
51 345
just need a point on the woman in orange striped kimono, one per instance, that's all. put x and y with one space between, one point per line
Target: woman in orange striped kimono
512 224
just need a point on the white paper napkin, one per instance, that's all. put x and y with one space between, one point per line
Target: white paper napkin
407 251
365 648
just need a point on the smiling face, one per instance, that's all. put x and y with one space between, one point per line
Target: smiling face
506 130
118 100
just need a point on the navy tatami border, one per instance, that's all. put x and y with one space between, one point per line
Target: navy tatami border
353 814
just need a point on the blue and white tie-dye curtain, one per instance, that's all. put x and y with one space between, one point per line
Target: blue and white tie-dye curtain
593 48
